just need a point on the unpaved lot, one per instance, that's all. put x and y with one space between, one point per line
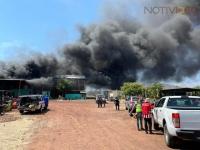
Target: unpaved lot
79 125
10 116
14 130
83 126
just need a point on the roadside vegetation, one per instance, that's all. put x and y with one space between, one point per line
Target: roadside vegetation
135 88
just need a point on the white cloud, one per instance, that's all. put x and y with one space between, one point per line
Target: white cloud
9 44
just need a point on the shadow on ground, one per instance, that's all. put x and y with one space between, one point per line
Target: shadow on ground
189 145
36 112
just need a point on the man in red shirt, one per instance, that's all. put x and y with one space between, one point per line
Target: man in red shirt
146 113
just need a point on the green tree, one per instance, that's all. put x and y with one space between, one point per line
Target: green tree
196 93
154 90
132 88
63 85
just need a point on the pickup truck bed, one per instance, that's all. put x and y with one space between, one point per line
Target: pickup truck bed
179 117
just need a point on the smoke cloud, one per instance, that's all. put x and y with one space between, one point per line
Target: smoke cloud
122 49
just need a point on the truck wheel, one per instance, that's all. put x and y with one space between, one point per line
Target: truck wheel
41 109
169 140
156 126
45 108
21 111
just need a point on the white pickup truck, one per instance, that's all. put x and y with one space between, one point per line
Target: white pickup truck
179 116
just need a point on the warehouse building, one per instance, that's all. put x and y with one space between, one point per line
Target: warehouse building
77 87
17 87
180 91
173 90
14 87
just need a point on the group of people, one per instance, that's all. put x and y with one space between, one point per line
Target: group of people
143 112
101 102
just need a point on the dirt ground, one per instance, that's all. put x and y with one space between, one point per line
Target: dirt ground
9 116
79 125
14 130
83 126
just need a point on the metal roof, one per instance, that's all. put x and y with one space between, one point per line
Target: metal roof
32 95
12 79
71 76
58 76
181 89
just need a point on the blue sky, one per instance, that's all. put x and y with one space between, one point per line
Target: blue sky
45 25
42 25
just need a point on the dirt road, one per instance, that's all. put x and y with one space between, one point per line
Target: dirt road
15 130
77 125
83 126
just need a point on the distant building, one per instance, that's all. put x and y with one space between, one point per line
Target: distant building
14 87
77 90
17 87
174 90
181 91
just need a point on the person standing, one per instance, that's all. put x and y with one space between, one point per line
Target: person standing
132 108
146 113
138 107
99 101
116 103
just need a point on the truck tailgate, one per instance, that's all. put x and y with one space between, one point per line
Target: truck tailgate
189 119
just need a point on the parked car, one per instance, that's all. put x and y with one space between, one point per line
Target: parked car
179 117
31 103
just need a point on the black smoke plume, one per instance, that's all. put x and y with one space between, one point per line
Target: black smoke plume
123 49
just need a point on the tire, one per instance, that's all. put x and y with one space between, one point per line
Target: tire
45 108
155 125
169 140
41 109
2 113
21 111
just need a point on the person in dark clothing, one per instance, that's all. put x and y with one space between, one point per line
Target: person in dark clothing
148 125
116 103
103 102
99 102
